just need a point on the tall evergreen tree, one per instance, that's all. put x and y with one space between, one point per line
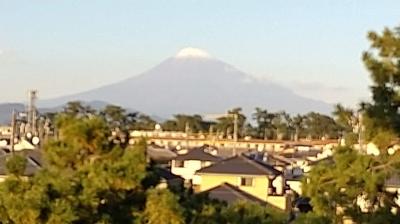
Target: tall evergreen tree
382 60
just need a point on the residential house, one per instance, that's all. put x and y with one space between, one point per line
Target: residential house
249 175
292 172
186 165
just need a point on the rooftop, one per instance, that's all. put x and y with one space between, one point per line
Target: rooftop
159 153
230 194
33 161
166 174
198 154
241 164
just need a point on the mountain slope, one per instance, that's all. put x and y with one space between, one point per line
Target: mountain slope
196 83
6 111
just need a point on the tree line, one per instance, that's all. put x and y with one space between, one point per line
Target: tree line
262 124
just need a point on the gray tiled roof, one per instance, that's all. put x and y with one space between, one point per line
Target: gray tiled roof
241 165
31 166
198 154
34 155
230 194
166 174
159 153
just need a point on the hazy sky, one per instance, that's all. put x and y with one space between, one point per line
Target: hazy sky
66 46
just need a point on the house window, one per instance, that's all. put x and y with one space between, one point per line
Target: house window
246 181
179 163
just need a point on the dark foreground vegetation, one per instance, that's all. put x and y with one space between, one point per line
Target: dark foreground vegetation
87 177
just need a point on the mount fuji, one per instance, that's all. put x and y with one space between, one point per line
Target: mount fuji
192 81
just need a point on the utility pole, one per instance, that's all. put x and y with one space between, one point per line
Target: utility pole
187 134
235 132
13 124
32 111
211 135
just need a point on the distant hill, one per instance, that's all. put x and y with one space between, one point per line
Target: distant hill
194 82
7 108
6 111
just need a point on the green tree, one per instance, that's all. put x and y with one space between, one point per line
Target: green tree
16 165
336 187
382 61
225 124
347 122
245 212
84 179
77 108
344 117
312 218
319 126
162 207
282 124
187 123
263 118
208 211
298 126
144 122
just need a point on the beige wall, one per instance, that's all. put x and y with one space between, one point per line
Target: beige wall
186 172
295 185
281 202
259 188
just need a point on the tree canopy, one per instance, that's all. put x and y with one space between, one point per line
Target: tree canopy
353 184
88 178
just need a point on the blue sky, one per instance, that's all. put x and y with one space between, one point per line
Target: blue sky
66 46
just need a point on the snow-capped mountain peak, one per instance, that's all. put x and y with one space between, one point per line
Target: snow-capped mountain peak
191 52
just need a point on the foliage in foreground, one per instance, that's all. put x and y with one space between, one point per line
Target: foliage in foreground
353 185
87 178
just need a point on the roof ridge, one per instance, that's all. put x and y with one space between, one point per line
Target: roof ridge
198 152
33 161
217 163
257 165
264 169
235 190
239 192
